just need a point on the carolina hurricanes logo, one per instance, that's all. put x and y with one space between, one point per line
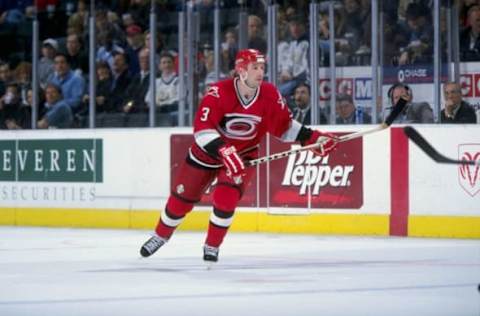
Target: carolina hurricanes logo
469 175
213 91
240 126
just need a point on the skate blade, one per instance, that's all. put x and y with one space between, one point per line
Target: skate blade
209 265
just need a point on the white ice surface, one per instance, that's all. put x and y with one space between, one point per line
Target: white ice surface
99 272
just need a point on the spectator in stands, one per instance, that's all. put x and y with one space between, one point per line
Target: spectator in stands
104 26
45 65
229 50
121 80
160 45
107 48
53 20
11 14
290 11
127 20
134 45
209 72
396 39
138 87
351 30
166 86
324 35
103 102
78 22
470 36
420 35
71 84
414 112
256 38
282 25
301 105
10 107
77 30
58 113
76 55
456 110
25 121
23 78
5 76
348 113
463 9
139 11
81 14
293 61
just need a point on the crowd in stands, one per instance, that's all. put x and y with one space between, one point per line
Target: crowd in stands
122 54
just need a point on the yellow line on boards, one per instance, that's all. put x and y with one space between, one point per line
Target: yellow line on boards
444 226
198 220
341 224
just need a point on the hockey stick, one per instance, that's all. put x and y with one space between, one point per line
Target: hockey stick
422 143
397 109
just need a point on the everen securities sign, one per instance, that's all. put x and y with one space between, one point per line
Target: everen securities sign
25 162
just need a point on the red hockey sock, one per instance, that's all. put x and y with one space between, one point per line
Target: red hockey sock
172 216
215 235
225 199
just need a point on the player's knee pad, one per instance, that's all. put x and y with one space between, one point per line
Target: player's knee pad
177 206
226 197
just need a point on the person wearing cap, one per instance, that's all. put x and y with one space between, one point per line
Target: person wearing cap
45 64
134 45
232 120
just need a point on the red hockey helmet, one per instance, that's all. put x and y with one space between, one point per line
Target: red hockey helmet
247 56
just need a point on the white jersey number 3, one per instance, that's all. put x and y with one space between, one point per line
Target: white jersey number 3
204 116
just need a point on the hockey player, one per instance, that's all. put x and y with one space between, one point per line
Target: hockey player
232 119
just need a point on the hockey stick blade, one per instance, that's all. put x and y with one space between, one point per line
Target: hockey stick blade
422 143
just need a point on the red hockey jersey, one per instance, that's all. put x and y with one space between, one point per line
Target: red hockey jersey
224 113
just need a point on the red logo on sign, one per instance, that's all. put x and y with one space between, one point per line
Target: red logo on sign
469 175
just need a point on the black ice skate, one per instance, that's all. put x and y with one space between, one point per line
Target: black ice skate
210 253
152 245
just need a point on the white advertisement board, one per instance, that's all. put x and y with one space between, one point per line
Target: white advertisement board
445 189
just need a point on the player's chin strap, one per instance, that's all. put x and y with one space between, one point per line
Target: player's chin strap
243 79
